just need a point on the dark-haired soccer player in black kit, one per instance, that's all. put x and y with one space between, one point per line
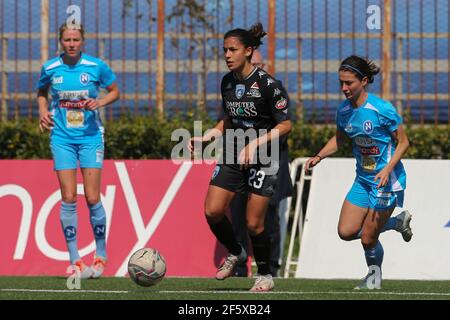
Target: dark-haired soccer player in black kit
255 103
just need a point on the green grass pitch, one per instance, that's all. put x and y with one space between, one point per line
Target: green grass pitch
54 288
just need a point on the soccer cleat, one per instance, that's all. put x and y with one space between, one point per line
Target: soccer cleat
82 270
226 268
403 225
263 283
364 285
97 267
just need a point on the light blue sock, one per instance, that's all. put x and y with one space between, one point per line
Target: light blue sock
69 223
98 223
374 256
391 224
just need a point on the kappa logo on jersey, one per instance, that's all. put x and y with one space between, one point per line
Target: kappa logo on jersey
276 92
58 80
348 128
240 90
269 81
344 109
368 126
261 73
84 78
281 104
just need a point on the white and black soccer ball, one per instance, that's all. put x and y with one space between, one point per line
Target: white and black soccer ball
146 267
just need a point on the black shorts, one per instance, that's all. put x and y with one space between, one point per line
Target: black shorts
256 179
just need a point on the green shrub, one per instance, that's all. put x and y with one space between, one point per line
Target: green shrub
149 137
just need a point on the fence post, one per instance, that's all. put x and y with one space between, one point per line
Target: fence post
4 105
399 65
160 59
387 39
44 30
271 34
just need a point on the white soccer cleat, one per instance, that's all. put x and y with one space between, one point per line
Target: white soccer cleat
98 266
226 268
403 225
82 270
365 285
263 283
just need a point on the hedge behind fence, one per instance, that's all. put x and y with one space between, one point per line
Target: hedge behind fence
150 138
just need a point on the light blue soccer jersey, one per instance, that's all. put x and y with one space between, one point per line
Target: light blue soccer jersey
369 127
70 87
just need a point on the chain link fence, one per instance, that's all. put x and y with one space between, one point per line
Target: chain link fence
167 55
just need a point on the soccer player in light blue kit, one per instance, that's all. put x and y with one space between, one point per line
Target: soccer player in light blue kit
378 143
74 79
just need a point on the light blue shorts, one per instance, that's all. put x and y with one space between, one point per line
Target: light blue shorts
365 196
67 155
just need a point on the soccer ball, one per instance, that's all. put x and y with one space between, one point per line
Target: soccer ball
146 267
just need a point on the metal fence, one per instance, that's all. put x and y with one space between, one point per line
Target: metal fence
167 55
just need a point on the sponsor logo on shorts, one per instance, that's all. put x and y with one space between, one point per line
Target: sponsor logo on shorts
215 172
99 156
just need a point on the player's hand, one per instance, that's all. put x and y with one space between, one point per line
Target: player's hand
312 162
92 104
383 176
247 155
45 121
192 142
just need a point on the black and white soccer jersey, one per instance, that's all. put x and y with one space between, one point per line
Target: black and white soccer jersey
259 101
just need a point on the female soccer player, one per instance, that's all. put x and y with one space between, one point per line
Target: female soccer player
253 101
74 79
378 143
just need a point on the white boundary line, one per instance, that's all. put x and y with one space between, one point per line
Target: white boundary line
236 292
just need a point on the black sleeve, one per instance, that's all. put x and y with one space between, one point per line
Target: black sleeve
222 86
277 99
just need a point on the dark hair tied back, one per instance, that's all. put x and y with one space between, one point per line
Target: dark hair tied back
249 38
361 67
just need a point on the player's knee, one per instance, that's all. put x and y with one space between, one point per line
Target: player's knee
346 234
255 228
92 199
214 216
68 196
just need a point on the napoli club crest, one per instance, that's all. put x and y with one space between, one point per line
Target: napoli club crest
240 90
368 126
84 78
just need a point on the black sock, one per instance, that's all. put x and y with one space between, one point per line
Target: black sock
223 230
261 251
